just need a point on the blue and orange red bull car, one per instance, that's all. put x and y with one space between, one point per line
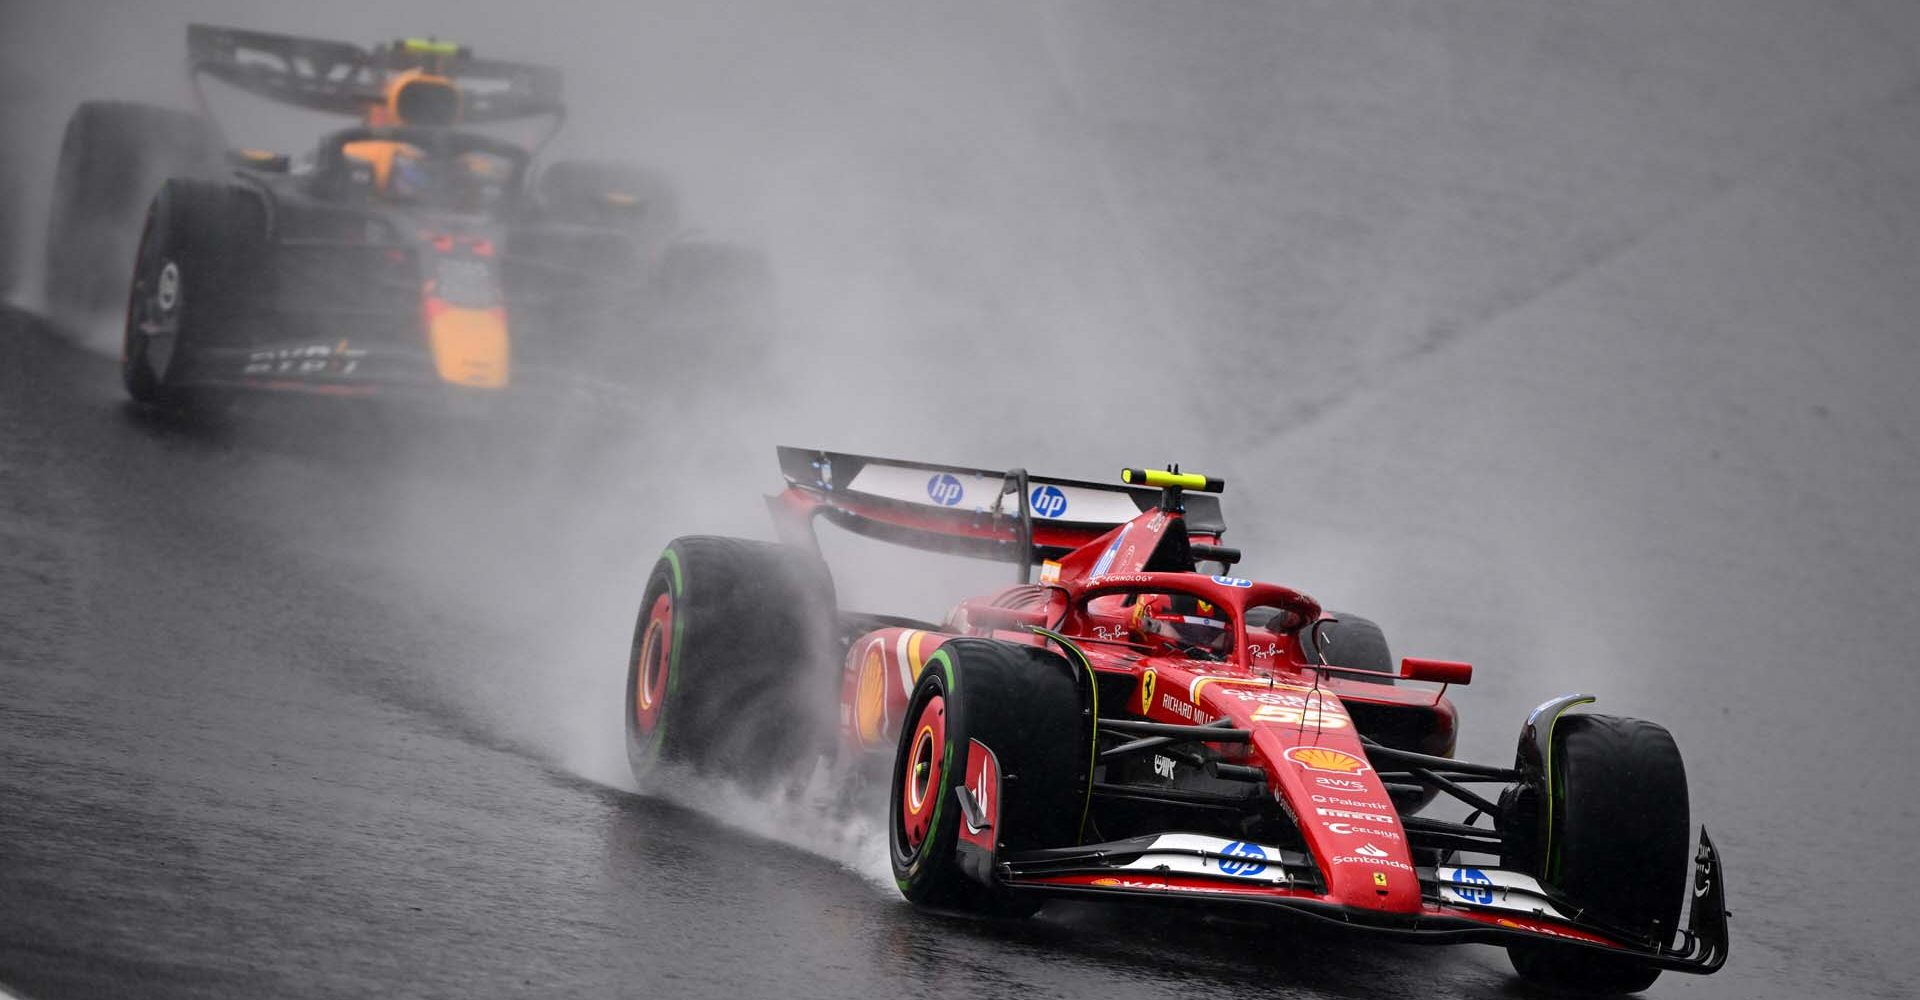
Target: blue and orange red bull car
1131 721
421 252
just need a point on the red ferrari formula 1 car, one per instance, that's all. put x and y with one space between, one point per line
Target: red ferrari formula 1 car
1140 724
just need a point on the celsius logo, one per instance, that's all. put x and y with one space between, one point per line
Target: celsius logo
1349 830
1243 858
944 489
1048 501
1473 885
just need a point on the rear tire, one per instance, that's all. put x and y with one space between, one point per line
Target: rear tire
112 157
201 242
1618 846
731 671
610 194
1029 707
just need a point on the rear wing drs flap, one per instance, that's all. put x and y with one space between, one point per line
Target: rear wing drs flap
1010 516
342 78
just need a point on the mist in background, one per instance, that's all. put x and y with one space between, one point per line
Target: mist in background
1575 340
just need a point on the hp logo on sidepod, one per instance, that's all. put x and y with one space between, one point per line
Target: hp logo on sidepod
944 489
1048 501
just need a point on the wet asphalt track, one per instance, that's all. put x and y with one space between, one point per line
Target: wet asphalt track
1576 340
231 765
226 772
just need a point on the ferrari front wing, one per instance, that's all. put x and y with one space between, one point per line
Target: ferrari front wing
1459 903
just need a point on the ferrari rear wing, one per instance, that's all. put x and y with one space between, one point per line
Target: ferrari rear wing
343 78
1011 516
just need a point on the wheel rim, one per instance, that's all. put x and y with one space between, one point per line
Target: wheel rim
653 665
166 290
141 304
153 308
920 786
163 329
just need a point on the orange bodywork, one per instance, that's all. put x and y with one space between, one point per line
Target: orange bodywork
470 346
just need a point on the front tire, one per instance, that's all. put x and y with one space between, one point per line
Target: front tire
112 156
1617 844
198 248
730 671
1028 706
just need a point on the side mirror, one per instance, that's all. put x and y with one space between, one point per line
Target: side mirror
1414 668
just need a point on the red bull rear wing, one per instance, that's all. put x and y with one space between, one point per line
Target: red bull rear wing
344 78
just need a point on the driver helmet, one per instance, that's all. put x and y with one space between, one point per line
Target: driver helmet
1180 621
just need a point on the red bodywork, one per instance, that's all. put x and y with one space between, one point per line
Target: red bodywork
1263 684
1299 724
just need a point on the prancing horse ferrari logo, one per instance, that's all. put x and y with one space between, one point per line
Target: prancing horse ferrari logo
1146 692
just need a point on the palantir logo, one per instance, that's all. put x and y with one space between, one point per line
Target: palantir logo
1048 501
1243 858
1473 885
944 489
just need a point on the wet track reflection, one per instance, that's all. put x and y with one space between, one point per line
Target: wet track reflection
1572 339
238 759
234 766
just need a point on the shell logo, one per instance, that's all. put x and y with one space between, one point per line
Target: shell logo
870 696
1324 759
1106 881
